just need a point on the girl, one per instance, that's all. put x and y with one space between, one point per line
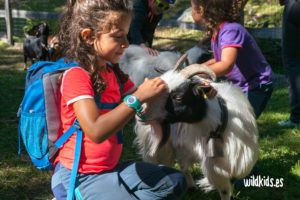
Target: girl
236 54
147 14
94 34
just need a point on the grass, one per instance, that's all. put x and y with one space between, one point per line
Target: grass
279 147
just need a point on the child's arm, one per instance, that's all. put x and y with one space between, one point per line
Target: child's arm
209 62
228 57
100 127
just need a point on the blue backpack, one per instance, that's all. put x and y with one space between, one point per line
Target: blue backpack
39 122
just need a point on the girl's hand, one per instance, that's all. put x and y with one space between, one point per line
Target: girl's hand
150 51
150 89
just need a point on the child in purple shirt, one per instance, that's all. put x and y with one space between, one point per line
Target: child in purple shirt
236 54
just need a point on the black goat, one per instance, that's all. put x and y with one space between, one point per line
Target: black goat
35 45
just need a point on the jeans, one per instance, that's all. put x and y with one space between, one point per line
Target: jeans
128 181
259 97
291 54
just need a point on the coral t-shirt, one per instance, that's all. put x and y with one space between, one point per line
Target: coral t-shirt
76 85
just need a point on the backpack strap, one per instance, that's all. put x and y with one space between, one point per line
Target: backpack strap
74 128
121 86
64 137
19 140
75 162
113 67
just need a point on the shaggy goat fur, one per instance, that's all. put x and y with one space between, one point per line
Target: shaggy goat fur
138 64
188 141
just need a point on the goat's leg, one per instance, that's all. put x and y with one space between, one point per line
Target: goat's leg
189 178
185 161
226 192
224 187
184 166
216 176
164 155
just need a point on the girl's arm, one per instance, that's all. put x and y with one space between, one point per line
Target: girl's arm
100 127
209 62
228 57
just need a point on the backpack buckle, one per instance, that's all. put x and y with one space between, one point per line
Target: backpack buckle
77 125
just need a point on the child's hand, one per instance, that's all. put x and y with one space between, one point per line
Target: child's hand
150 89
150 51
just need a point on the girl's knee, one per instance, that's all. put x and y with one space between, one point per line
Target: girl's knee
180 183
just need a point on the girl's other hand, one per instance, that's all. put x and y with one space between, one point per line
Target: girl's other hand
150 51
150 89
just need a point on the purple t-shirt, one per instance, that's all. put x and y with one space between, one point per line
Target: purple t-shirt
251 68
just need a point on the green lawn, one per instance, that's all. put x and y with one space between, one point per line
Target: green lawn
279 148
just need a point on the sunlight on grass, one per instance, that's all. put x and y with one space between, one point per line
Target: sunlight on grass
296 169
177 39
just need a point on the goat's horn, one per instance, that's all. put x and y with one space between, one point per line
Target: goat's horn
194 69
180 62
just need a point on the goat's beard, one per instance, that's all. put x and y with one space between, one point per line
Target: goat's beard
150 137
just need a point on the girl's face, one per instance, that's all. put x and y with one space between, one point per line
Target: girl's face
197 13
111 45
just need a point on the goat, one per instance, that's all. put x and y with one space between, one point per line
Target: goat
35 45
219 133
138 64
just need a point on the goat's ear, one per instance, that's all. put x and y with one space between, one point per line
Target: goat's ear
197 89
204 90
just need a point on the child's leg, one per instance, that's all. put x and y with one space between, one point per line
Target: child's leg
129 181
104 186
259 98
59 187
148 181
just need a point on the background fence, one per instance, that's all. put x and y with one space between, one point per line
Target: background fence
262 18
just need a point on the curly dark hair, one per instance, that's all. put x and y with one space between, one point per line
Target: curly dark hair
93 14
216 12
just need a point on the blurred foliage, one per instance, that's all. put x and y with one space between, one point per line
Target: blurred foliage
263 14
271 49
257 13
36 5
